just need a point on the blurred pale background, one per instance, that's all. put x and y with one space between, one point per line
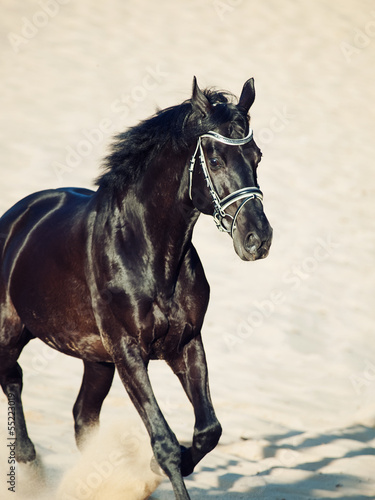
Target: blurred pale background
290 339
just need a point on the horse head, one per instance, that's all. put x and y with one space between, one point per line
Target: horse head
223 170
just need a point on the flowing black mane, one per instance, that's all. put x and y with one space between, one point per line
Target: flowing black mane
176 126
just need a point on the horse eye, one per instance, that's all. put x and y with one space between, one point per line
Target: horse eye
214 163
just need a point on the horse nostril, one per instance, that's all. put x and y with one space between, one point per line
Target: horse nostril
252 242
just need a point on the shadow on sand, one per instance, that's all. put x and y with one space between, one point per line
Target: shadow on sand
300 476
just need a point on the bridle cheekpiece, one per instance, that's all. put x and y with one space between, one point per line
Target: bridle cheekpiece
246 193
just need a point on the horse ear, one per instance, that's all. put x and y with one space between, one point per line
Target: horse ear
247 95
199 100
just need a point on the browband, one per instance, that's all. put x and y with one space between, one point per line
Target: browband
229 140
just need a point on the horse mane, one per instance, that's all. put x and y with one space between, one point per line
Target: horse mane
176 126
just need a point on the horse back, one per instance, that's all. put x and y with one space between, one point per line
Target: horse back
38 221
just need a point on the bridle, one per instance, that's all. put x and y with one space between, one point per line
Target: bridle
246 194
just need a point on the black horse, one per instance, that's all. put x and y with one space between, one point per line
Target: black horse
112 277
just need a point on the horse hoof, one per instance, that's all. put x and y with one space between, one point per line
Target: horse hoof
187 465
25 453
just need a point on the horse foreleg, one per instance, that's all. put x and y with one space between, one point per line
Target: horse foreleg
96 382
191 368
133 373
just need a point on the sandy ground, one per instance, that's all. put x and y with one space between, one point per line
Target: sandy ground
289 340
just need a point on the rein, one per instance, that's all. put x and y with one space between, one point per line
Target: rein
246 194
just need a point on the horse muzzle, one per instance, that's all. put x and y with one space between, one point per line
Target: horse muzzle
254 244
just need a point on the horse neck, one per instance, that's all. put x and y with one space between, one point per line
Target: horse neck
157 214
